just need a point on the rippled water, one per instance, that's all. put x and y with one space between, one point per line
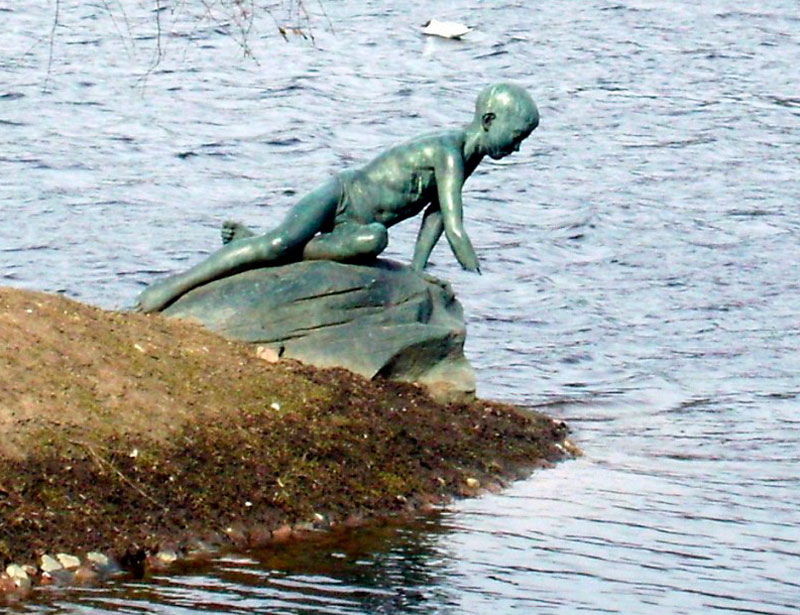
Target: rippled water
639 265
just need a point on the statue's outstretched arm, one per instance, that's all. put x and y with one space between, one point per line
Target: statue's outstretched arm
450 179
429 233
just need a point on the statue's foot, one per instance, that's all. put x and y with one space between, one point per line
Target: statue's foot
438 281
231 231
153 298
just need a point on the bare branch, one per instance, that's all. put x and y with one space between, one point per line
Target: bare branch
302 6
159 50
52 43
103 463
234 18
116 25
325 14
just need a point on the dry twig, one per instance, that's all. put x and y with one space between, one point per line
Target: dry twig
100 462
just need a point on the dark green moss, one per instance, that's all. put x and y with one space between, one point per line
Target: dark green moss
123 433
367 451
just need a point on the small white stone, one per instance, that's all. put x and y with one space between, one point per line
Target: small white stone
16 572
473 483
267 354
275 405
50 564
68 561
571 448
167 557
97 558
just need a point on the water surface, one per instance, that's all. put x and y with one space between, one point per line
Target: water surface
639 261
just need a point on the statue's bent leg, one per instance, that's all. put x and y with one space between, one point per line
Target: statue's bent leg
313 212
347 242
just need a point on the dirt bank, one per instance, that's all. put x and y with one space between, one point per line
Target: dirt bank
124 433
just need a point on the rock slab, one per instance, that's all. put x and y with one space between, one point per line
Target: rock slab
382 319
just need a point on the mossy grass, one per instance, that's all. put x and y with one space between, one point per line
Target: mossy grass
124 433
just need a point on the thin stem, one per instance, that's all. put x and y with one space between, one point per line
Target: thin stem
52 44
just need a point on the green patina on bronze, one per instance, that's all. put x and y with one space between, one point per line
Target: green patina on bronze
346 218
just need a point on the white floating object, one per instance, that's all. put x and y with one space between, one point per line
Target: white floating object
445 29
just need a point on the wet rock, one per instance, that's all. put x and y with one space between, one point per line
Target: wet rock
494 487
568 447
237 535
7 585
303 527
354 520
97 558
161 560
84 575
133 561
69 562
282 534
198 548
381 320
15 571
100 562
258 537
267 354
167 557
319 520
31 571
59 577
49 564
19 576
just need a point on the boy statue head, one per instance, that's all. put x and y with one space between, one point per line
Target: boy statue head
507 116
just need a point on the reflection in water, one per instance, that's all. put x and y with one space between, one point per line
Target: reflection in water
388 569
639 275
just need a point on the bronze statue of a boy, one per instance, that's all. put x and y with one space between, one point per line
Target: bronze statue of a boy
345 218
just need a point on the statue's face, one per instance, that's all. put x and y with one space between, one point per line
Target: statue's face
508 115
506 134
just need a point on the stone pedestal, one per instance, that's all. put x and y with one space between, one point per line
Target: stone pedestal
382 319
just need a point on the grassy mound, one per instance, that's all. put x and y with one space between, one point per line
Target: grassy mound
124 432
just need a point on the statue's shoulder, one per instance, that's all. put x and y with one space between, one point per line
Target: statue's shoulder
421 151
430 145
442 138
